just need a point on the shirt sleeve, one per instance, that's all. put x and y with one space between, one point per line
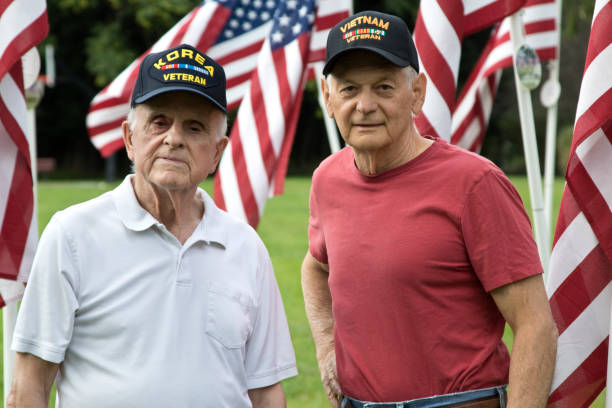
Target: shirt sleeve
269 352
316 238
497 232
46 316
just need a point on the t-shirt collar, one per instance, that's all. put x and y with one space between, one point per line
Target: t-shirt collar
136 218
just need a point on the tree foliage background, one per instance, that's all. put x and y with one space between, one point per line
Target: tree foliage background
95 40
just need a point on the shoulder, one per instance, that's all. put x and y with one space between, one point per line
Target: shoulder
87 213
468 165
335 165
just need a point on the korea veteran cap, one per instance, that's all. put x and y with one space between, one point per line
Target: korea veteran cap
383 34
182 68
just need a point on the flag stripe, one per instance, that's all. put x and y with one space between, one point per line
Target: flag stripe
580 280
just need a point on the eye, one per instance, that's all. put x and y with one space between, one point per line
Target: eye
348 89
385 87
195 127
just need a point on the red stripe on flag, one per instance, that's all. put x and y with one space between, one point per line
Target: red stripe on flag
453 14
214 27
111 147
242 175
488 15
263 132
251 49
34 33
218 192
581 388
17 219
583 285
9 121
587 123
601 32
434 63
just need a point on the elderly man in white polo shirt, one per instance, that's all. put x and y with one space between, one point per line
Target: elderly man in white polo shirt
149 295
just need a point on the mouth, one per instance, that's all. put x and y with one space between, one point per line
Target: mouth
367 125
170 159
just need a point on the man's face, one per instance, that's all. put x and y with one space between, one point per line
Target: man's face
372 101
174 143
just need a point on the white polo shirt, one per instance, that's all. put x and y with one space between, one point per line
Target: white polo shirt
138 320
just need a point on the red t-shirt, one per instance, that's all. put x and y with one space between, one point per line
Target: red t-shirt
412 254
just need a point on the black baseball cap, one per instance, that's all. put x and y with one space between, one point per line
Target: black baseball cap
383 34
182 68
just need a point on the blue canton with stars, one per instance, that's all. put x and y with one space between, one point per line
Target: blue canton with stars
246 16
291 18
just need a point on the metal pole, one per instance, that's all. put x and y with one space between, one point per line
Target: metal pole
531 148
551 129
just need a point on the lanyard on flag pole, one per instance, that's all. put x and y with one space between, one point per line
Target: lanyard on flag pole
530 146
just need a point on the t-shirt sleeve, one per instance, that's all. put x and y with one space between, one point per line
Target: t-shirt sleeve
46 316
316 237
269 352
497 232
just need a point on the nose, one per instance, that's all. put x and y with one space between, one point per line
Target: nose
174 136
366 103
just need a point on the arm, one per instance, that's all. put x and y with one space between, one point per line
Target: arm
272 396
32 381
317 300
525 307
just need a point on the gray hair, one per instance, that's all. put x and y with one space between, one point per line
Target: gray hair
409 70
131 120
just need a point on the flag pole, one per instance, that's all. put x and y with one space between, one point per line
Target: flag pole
530 146
330 124
551 102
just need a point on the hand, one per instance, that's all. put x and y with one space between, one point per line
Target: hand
329 378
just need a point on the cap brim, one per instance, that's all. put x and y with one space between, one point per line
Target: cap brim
159 91
392 58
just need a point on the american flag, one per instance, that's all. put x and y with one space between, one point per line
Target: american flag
23 24
439 30
473 108
579 283
232 32
255 161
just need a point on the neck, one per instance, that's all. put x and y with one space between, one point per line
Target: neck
179 210
373 162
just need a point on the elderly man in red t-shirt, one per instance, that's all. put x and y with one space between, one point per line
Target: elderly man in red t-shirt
419 251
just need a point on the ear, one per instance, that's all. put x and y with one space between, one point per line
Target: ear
220 146
127 139
325 92
419 86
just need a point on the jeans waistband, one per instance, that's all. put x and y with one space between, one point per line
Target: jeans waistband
435 401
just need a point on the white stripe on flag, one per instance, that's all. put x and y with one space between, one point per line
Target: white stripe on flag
15 20
470 6
596 80
595 153
574 346
439 115
570 252
198 25
102 139
106 115
271 97
229 186
256 169
443 34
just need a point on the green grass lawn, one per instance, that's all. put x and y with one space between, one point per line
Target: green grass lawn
283 228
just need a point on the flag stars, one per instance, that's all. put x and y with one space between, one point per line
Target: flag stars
291 4
257 4
265 16
234 23
246 2
270 4
284 20
277 36
311 18
229 33
239 12
297 28
303 11
252 15
246 26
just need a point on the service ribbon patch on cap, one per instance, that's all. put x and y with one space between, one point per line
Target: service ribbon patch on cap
368 33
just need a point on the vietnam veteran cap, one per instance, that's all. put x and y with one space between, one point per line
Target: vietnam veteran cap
384 34
182 68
